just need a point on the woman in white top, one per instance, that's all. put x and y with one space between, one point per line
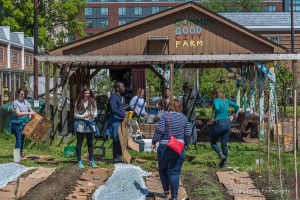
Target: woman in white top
85 126
138 104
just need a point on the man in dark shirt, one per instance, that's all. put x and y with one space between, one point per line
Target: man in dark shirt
188 108
117 114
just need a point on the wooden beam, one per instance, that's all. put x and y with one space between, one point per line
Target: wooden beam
47 98
93 74
164 59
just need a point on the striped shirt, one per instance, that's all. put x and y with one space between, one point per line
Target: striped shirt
179 126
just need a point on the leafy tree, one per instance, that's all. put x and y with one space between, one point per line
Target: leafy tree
57 19
153 83
105 83
234 5
209 81
284 82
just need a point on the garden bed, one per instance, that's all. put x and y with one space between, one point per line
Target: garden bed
57 186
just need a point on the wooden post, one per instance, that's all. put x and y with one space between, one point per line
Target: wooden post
73 98
55 100
252 90
47 98
261 81
268 141
64 111
295 143
171 80
82 76
78 81
88 78
278 142
295 72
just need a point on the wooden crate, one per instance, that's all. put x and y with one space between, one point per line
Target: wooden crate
37 127
147 129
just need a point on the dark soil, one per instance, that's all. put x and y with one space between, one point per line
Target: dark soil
273 191
203 185
57 186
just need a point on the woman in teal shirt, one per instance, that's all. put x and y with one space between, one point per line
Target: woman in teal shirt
221 126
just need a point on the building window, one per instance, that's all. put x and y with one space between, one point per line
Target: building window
155 10
121 0
270 8
104 23
122 11
137 0
89 23
28 60
1 54
122 22
104 11
155 0
89 0
171 0
138 11
104 0
88 11
15 57
275 39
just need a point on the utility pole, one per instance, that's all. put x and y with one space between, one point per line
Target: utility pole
35 62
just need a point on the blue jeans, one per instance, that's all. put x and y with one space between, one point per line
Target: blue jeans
193 139
169 166
17 131
220 129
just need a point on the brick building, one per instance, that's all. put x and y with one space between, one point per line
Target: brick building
101 15
16 60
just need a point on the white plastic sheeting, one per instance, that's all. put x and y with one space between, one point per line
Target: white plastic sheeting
10 172
126 183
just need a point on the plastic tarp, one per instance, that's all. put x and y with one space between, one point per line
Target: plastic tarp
10 172
126 183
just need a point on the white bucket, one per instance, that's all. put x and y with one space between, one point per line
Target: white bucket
17 155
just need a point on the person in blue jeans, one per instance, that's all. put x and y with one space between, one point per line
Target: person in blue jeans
85 113
169 162
21 111
117 114
221 127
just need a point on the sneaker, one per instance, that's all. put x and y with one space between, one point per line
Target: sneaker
223 166
92 164
222 160
80 164
166 193
23 158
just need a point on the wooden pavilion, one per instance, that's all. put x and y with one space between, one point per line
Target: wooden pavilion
184 36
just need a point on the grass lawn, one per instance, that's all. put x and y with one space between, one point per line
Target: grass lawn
242 156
